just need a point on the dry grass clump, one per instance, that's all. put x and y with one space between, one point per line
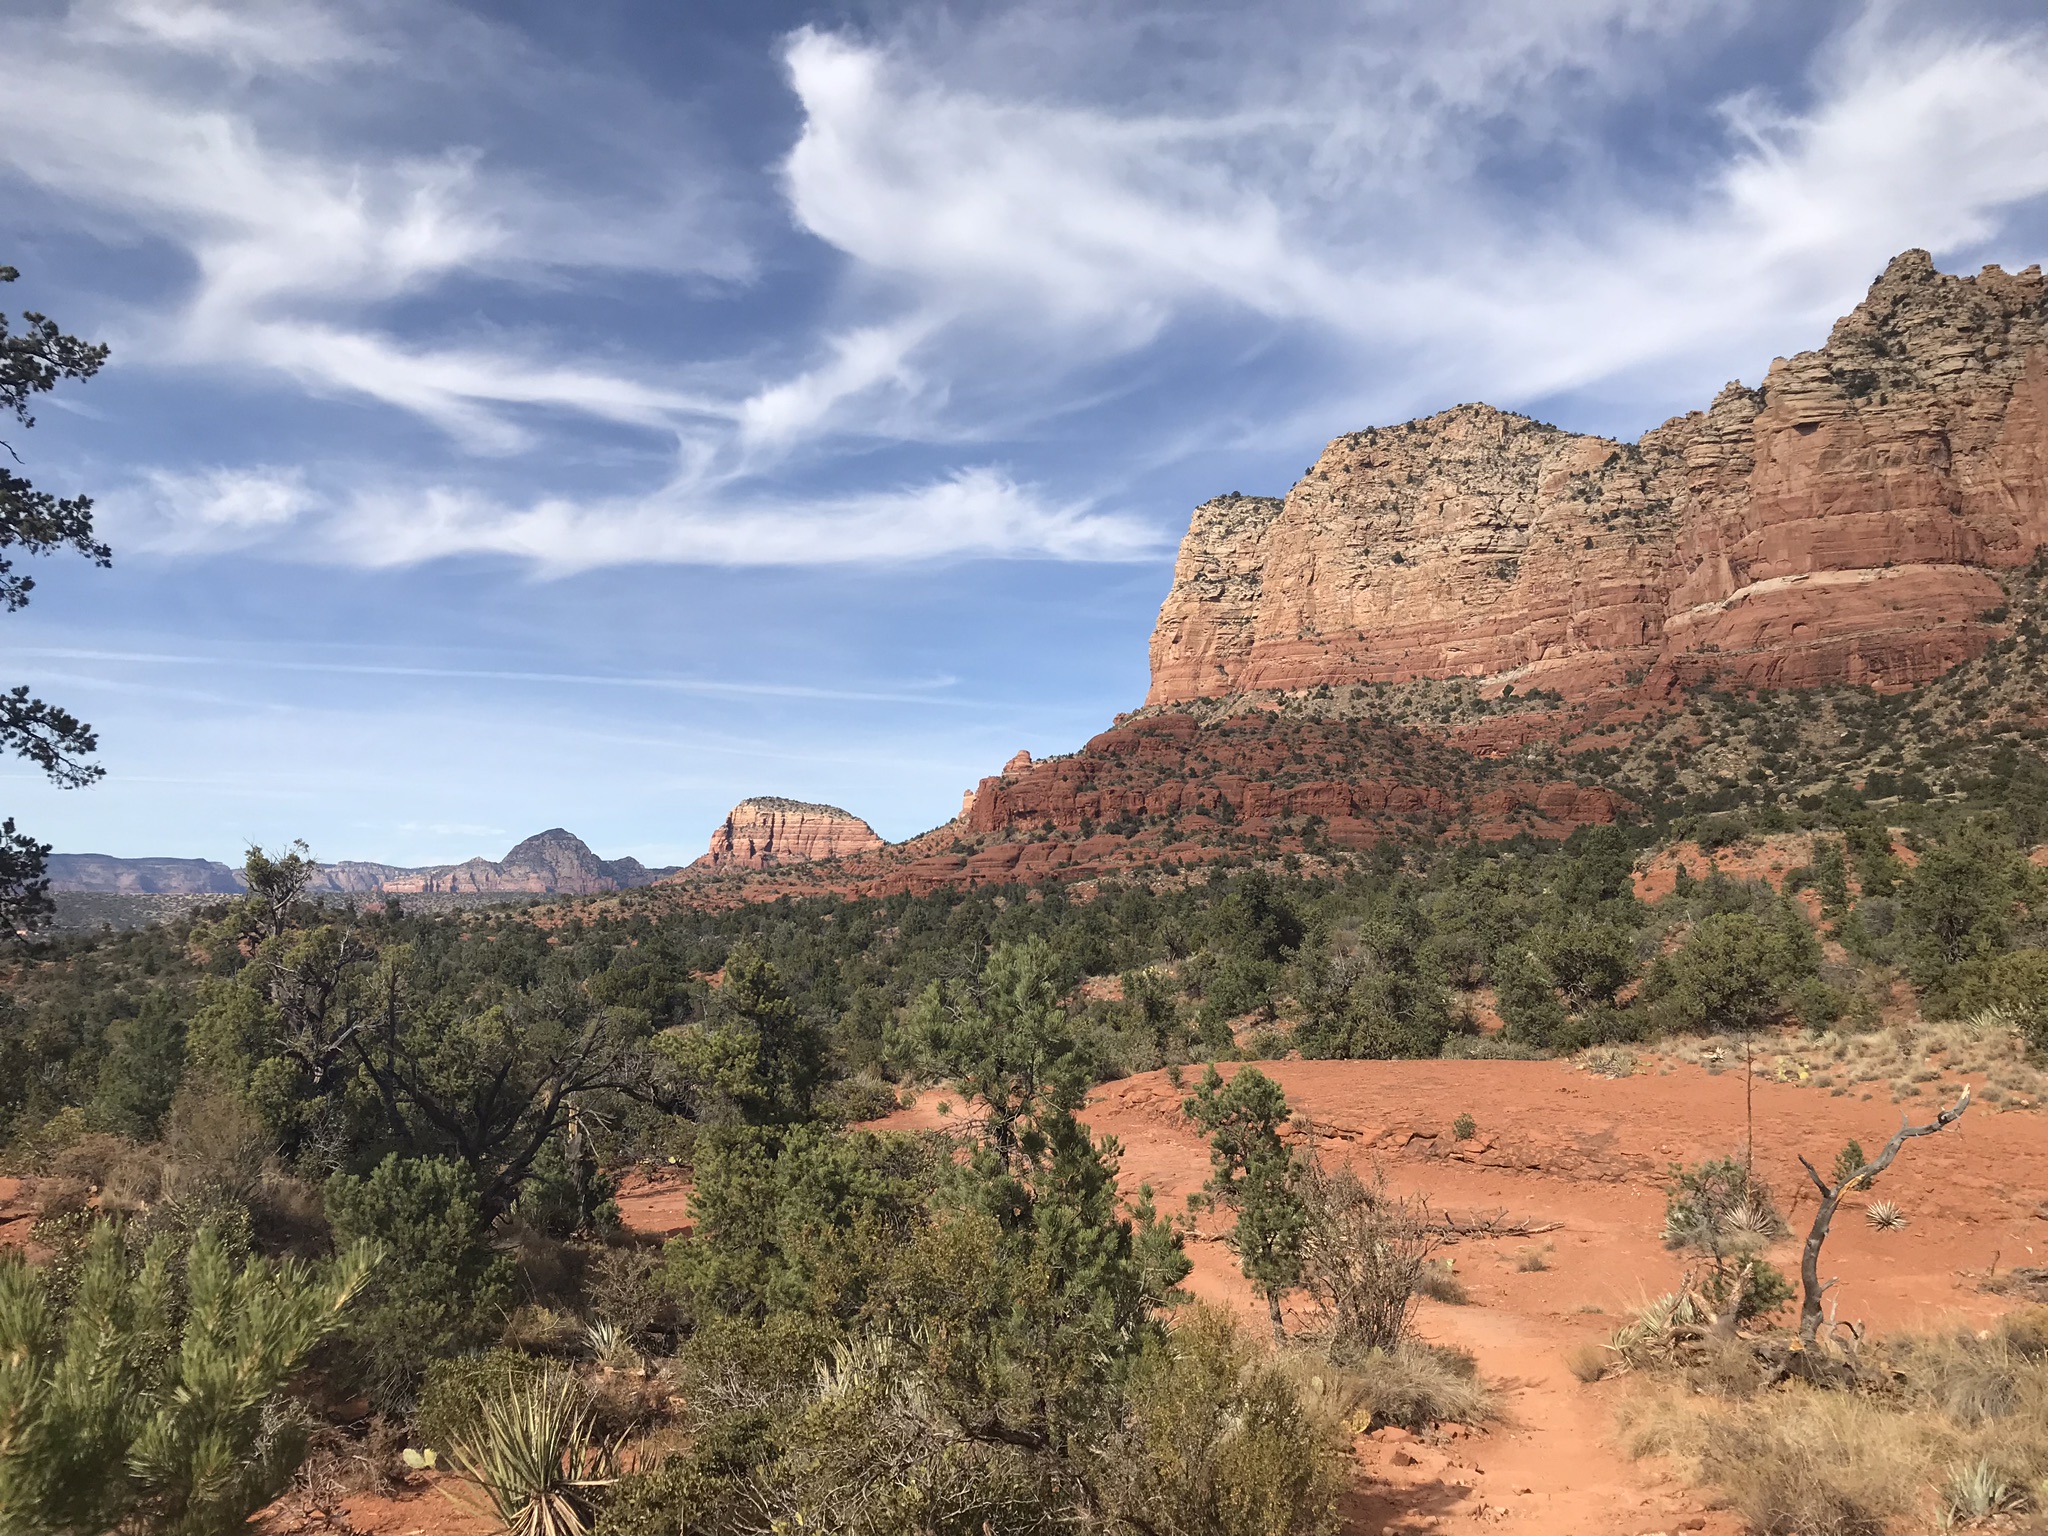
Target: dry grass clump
1589 1362
1813 1463
1988 1047
1439 1282
1410 1387
1945 1429
1609 1061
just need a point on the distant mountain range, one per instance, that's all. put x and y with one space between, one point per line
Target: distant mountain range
554 862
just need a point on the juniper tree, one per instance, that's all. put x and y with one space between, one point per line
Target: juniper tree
1257 1176
32 362
1004 1041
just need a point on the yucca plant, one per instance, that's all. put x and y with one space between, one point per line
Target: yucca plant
535 1454
609 1345
1975 1491
1885 1216
1753 1220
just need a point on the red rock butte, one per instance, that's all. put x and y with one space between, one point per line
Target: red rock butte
768 831
1841 523
1847 521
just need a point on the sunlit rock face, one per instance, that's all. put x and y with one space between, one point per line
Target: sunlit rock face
1840 523
768 831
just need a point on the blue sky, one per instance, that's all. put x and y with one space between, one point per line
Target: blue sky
526 414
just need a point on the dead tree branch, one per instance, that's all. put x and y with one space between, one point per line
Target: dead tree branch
1812 1288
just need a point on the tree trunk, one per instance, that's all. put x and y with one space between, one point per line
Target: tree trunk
1810 1284
1810 1288
1273 1307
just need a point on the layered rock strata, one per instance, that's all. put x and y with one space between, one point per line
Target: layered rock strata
554 862
551 862
1166 792
1843 522
768 831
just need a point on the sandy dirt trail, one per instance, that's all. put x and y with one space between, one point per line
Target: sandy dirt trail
1554 1144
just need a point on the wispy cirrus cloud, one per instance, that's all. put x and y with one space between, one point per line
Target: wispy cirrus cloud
1367 201
976 513
142 118
1033 214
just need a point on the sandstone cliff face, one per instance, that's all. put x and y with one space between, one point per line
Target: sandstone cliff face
1840 523
768 831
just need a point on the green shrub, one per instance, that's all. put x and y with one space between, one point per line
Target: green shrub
130 1405
1736 971
453 1390
441 1290
1721 1212
1526 994
139 1074
1216 1439
2015 982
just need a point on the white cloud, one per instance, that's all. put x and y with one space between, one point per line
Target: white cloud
972 514
222 508
296 247
1341 190
1034 210
274 34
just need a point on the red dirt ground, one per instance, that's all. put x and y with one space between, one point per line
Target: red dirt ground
1553 1144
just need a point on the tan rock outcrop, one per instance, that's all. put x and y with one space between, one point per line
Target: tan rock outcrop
1841 523
550 862
768 831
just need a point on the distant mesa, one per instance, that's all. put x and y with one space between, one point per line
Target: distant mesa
550 863
101 873
554 862
767 831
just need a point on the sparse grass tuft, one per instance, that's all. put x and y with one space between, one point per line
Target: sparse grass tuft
1589 1362
1946 1429
1417 1385
1439 1282
1990 1048
1806 1463
1534 1260
1609 1061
